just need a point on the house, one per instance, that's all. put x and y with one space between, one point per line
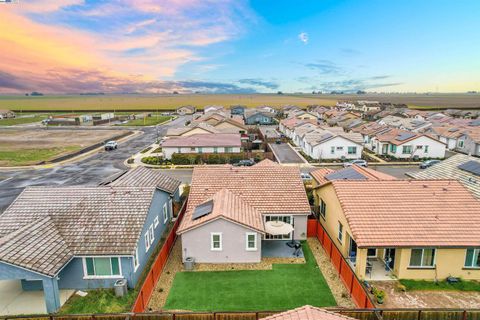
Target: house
255 117
408 229
186 110
447 134
325 144
469 143
409 124
238 109
287 126
208 109
231 125
5 114
195 128
267 109
403 144
460 167
202 143
369 131
306 116
81 238
308 313
228 208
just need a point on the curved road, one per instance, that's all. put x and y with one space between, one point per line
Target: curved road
88 171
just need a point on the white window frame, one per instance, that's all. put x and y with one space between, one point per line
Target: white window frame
156 222
165 213
323 212
246 241
117 276
147 240
212 248
136 261
152 234
465 259
340 232
421 259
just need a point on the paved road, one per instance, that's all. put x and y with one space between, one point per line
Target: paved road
284 153
88 171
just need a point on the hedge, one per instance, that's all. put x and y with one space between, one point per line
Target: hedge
213 158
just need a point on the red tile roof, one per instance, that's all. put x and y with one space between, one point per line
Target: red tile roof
406 213
369 174
308 313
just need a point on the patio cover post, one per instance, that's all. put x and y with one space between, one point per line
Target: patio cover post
361 263
52 294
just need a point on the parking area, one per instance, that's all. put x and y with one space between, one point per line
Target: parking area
284 153
14 301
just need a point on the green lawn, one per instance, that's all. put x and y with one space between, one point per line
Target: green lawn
287 286
15 121
99 301
24 157
150 121
463 285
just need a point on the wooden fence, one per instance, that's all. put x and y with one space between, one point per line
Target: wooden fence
153 275
354 286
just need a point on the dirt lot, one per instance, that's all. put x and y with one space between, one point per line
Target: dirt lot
30 146
427 298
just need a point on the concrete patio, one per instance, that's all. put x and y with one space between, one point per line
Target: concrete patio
279 249
15 301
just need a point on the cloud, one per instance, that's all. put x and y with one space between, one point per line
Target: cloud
325 67
350 85
350 51
260 83
303 36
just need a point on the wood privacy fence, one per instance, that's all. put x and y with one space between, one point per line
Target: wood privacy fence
354 286
153 275
361 314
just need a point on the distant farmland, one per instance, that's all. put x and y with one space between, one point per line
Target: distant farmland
170 102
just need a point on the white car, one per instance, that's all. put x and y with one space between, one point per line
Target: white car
305 176
358 162
111 145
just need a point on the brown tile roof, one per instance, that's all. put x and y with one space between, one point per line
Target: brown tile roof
393 135
229 206
88 220
205 140
145 177
406 213
182 130
270 189
320 175
266 162
308 313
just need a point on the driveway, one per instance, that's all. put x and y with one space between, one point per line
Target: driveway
14 301
284 153
88 171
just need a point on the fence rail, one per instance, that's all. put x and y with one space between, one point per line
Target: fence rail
349 279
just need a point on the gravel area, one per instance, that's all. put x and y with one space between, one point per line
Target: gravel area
341 295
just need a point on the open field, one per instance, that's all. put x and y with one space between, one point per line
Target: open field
286 286
170 102
149 121
30 146
24 120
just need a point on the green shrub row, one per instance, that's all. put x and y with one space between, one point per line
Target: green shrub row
212 158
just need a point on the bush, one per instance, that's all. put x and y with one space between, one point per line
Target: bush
153 160
212 158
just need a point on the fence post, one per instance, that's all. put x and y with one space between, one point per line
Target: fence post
419 315
464 315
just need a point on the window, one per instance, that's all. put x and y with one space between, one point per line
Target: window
339 148
216 241
151 234
422 258
472 258
460 143
179 150
155 222
165 213
393 148
228 149
136 263
426 149
251 238
340 231
215 149
200 150
323 209
147 241
406 149
371 252
170 204
352 150
100 267
332 150
192 149
419 147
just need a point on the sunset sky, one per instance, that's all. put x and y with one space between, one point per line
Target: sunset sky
230 46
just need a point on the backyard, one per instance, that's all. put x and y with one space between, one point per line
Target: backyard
286 286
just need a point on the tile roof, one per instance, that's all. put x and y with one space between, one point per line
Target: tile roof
205 140
266 162
448 169
406 213
319 175
271 189
323 175
145 177
84 220
393 136
308 313
200 125
229 206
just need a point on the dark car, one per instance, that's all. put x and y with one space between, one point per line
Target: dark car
244 163
428 163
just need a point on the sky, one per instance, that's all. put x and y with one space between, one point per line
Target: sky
239 46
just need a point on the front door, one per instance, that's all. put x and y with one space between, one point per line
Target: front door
389 257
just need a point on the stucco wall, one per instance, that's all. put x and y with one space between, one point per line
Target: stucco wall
168 151
323 151
196 244
436 149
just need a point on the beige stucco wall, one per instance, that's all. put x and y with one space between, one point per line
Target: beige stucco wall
449 261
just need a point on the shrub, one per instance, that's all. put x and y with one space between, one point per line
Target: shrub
212 158
154 160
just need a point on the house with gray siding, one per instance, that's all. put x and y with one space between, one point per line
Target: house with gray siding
228 210
253 117
82 238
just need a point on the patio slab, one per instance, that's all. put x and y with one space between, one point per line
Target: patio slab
279 249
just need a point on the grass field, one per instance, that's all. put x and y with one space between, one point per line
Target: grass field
15 121
287 286
25 157
462 285
99 301
169 102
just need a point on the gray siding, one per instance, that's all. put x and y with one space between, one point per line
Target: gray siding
300 226
196 244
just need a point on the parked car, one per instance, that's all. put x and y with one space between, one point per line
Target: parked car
244 163
305 176
278 141
428 163
358 162
111 145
